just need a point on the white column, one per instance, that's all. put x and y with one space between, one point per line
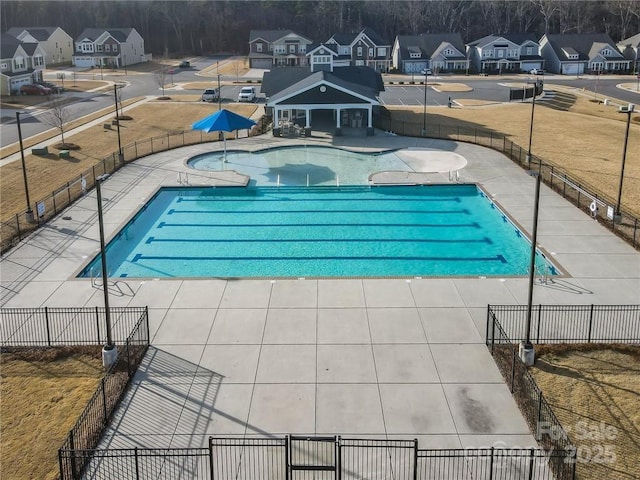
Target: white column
337 118
307 112
370 115
276 112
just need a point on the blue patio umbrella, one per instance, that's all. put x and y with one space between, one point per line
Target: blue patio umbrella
224 121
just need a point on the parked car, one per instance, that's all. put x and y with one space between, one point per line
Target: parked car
34 89
211 95
536 71
184 64
247 94
52 86
427 72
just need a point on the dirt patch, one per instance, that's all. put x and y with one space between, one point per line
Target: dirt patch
594 391
43 392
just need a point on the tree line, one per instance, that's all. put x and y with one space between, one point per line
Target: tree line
204 27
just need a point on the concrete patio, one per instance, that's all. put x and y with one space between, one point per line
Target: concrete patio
383 358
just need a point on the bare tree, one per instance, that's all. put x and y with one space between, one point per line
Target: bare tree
161 77
57 116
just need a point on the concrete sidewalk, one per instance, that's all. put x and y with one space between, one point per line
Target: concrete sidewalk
384 358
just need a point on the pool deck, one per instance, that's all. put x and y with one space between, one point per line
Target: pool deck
382 358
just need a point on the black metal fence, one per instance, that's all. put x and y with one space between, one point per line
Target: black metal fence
587 197
95 417
566 323
548 431
318 458
53 326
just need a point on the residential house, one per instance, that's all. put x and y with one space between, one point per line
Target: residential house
365 48
57 44
578 53
20 63
322 97
630 48
277 48
111 48
440 52
512 52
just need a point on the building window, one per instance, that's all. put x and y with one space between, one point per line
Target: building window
114 47
344 50
292 49
37 61
18 63
258 47
382 52
359 52
500 53
270 47
529 50
486 53
370 52
302 48
98 48
513 53
4 66
359 63
448 52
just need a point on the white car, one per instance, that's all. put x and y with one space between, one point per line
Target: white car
247 94
536 71
211 95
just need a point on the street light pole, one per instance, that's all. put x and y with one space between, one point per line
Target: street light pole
424 113
219 95
527 353
533 106
628 110
29 214
109 352
115 94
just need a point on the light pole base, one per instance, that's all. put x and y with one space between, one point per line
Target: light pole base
121 158
617 218
527 353
109 356
423 133
29 216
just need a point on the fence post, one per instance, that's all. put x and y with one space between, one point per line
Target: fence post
504 144
210 457
574 455
69 193
135 455
128 347
415 459
539 323
513 371
46 322
72 444
491 464
104 401
338 454
98 323
539 412
286 456
53 199
60 464
486 332
493 332
531 457
590 323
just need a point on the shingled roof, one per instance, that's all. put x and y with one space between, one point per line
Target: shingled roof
119 34
39 33
428 43
580 43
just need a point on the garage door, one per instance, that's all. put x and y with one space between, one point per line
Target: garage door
572 69
83 61
261 63
527 67
16 82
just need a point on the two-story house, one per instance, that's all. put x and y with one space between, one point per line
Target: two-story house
578 53
57 44
630 49
440 52
20 63
112 48
509 52
363 49
277 48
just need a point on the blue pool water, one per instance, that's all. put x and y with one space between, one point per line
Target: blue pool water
297 165
385 231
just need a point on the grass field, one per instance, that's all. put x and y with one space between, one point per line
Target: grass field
594 391
43 393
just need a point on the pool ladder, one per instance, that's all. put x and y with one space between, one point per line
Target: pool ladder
454 175
185 180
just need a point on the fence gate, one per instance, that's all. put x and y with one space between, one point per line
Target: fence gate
314 458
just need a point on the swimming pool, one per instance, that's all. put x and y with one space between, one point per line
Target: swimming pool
357 231
302 165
